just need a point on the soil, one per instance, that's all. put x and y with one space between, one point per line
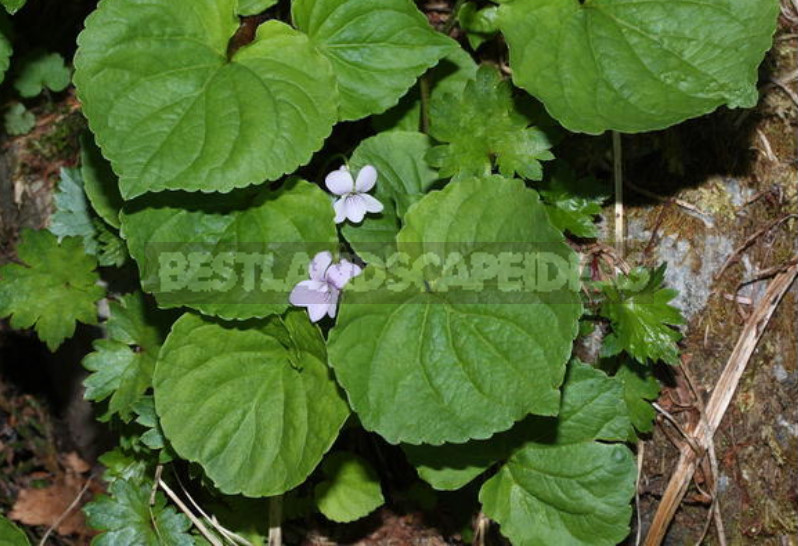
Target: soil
695 196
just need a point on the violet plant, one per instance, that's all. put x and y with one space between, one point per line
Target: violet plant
204 169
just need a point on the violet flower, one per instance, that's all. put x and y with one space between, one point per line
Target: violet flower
353 202
320 294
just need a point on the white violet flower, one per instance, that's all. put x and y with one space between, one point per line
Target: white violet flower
320 294
353 202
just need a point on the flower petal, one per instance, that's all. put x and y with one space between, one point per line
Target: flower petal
332 308
340 210
319 264
317 311
339 274
340 182
355 208
366 179
308 293
372 204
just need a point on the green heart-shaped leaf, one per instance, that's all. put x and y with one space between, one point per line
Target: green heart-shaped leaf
563 494
637 65
377 48
436 364
255 405
170 110
561 486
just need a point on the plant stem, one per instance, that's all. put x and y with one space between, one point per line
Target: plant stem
423 91
617 162
275 520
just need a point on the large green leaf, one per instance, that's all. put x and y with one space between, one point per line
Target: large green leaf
215 253
563 494
483 126
377 48
591 408
433 365
637 65
127 518
562 486
51 275
124 362
171 111
11 535
403 178
253 404
351 490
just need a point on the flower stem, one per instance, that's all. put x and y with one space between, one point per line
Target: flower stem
275 520
617 161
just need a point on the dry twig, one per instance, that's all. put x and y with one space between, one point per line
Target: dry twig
210 537
229 535
768 149
714 509
66 512
734 256
697 212
481 529
783 86
768 273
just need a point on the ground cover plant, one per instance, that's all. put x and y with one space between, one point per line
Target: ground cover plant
347 226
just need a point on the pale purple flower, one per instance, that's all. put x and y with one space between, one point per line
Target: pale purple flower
353 202
320 294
